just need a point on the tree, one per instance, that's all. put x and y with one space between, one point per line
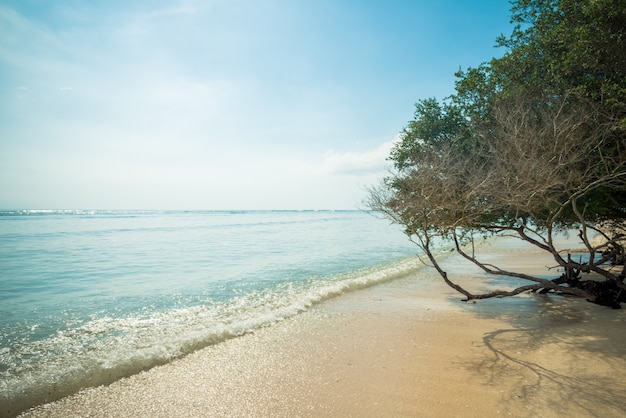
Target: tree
532 144
556 46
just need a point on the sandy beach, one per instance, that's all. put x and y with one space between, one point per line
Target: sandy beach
407 348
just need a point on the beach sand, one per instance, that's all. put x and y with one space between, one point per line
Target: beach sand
407 348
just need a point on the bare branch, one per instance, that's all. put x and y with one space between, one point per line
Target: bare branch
534 170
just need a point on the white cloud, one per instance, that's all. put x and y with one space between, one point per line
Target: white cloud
358 163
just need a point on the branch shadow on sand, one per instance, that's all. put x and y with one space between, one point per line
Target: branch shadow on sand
560 356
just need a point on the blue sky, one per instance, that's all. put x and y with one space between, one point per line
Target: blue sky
220 104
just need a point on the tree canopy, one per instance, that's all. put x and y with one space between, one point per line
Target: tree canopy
532 143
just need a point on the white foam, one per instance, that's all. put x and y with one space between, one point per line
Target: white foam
105 349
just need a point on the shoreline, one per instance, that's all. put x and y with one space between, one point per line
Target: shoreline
408 347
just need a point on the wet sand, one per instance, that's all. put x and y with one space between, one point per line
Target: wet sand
408 348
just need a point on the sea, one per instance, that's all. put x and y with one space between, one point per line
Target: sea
90 296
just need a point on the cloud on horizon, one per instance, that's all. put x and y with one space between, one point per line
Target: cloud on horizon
358 163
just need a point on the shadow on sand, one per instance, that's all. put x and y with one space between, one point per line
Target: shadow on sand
561 356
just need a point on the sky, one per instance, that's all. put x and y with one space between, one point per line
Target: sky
220 104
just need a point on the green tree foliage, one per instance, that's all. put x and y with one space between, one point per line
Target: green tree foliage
532 143
435 125
577 44
556 46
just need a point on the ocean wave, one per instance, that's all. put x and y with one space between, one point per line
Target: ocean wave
105 349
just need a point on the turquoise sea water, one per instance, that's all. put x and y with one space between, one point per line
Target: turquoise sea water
87 297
